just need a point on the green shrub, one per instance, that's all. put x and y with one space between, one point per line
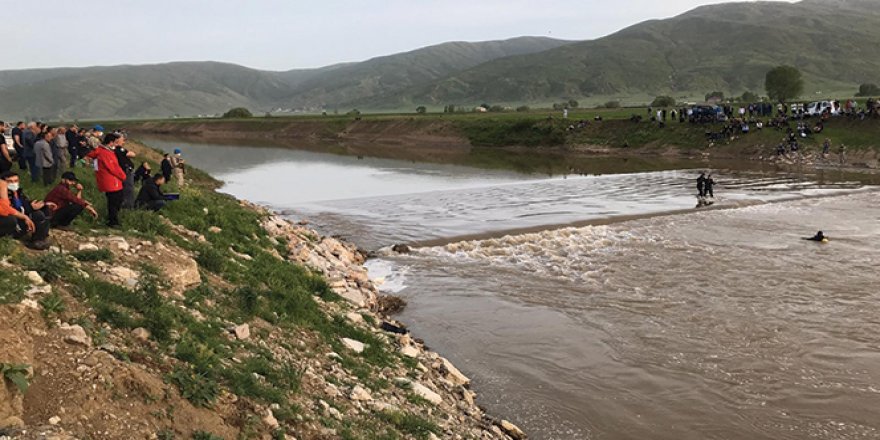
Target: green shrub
202 435
17 374
199 389
238 113
50 265
13 285
53 304
410 424
93 255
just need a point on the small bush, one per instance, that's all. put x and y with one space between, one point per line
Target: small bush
13 285
17 374
202 435
53 305
50 265
199 389
211 259
237 113
611 104
410 424
93 255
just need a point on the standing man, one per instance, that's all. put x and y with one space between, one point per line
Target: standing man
109 176
59 147
17 144
5 158
73 139
124 157
45 158
179 166
28 140
701 185
708 187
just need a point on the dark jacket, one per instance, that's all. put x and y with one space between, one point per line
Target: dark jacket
20 202
149 192
167 168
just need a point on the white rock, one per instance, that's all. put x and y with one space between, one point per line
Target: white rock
75 334
453 374
410 351
55 420
421 390
215 230
35 278
360 394
512 430
355 317
355 346
270 420
31 304
88 247
119 243
353 296
124 273
141 334
242 332
45 289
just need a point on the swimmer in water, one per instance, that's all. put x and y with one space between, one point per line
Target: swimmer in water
820 237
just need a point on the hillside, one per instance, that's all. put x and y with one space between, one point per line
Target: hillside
727 47
206 88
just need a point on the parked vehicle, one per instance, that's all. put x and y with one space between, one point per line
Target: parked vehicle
819 107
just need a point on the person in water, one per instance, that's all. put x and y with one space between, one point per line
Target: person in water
820 236
701 185
708 186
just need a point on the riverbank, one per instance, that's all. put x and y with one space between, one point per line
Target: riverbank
215 319
434 137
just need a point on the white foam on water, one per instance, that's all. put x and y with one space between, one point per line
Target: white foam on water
387 276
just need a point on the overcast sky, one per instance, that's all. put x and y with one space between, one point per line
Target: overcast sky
288 34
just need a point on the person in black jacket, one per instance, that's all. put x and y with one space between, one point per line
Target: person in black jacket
142 173
151 196
167 168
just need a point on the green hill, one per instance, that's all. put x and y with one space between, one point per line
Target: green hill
194 88
726 47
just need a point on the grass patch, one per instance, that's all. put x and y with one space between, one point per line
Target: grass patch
53 305
50 265
17 374
93 255
410 424
199 389
202 435
14 285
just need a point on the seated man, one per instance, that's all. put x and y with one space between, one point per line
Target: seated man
32 224
67 205
151 196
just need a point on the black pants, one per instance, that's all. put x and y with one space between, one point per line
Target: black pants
66 215
114 204
701 191
13 227
152 205
709 192
49 175
128 190
8 226
5 165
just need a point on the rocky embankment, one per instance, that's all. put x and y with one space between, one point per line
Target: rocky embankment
76 366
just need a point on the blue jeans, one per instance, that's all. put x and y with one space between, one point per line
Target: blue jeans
34 169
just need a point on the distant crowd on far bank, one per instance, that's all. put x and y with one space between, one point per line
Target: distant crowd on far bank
50 156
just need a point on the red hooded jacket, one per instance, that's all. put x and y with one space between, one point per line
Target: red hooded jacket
108 173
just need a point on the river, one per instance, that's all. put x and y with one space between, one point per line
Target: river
605 306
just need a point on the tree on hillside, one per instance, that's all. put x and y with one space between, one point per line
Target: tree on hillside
611 104
868 90
749 97
421 110
238 112
715 95
784 83
663 101
573 103
523 108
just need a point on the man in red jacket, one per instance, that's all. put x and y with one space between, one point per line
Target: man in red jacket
109 175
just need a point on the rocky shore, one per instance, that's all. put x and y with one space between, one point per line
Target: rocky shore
83 357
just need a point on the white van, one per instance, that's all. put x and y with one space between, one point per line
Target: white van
819 107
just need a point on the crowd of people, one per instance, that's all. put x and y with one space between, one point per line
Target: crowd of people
43 153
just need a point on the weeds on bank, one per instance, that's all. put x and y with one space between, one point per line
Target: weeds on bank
14 285
17 374
93 255
410 424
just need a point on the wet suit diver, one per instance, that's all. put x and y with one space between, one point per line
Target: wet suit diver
820 237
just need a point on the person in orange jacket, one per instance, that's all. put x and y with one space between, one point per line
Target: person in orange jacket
109 175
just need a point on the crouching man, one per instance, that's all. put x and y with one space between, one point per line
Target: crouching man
31 221
68 202
150 196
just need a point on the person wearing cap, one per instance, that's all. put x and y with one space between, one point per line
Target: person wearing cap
94 140
68 201
177 163
110 176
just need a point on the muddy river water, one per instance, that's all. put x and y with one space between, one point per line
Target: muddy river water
667 323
